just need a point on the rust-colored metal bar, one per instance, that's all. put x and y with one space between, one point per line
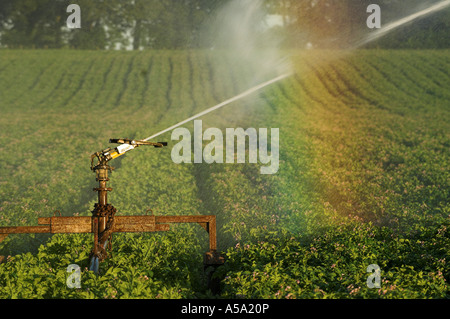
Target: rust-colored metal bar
212 234
59 225
95 231
136 224
5 231
25 230
185 219
208 222
125 224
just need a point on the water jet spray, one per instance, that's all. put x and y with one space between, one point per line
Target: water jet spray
396 24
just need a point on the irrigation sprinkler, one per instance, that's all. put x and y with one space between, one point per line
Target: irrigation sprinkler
104 222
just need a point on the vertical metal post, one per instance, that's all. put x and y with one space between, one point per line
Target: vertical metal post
102 178
99 219
95 230
212 234
212 259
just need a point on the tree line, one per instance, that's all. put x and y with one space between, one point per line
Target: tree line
105 23
177 24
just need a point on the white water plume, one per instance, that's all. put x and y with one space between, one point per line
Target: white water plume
239 33
240 30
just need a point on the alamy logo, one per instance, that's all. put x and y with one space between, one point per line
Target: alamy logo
374 280
374 20
235 146
74 20
74 279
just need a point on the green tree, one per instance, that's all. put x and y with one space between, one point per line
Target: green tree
32 23
169 24
92 34
317 22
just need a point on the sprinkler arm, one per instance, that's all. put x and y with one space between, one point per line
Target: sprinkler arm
103 157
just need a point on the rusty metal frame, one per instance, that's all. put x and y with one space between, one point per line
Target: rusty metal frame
123 224
103 222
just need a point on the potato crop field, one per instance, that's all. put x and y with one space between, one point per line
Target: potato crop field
363 174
